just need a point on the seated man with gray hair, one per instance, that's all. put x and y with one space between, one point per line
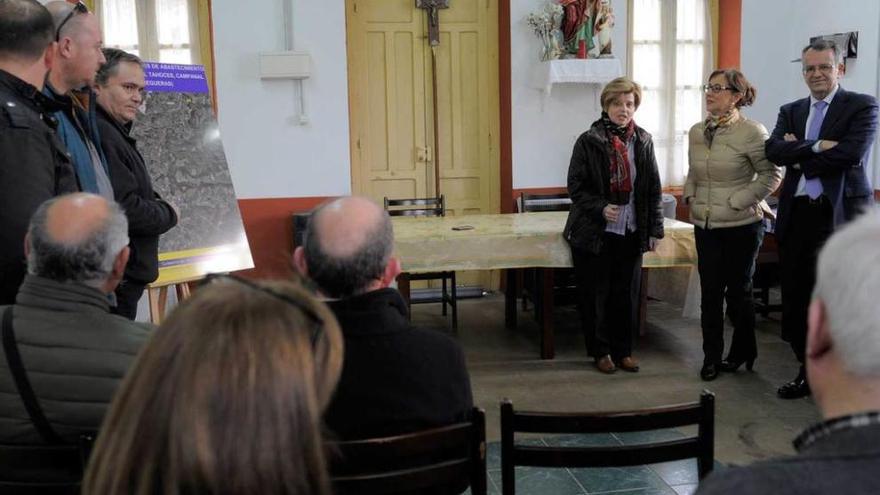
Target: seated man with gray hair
71 352
842 453
395 378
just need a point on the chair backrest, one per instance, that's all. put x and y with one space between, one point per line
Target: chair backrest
544 202
448 456
41 469
416 207
701 446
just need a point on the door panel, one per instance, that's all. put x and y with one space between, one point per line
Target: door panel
391 104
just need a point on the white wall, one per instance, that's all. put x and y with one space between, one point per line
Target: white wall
270 154
773 34
544 129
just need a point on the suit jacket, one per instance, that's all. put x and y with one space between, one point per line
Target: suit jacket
851 120
845 461
395 378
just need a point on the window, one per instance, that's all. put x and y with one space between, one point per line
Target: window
670 58
155 30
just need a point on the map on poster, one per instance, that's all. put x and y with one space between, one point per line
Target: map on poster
180 140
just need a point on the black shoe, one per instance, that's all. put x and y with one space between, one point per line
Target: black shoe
709 372
731 365
795 389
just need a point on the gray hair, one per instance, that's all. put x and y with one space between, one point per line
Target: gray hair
820 45
89 261
847 282
114 57
340 277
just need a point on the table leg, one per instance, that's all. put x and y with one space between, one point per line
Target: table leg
545 277
403 288
510 290
643 302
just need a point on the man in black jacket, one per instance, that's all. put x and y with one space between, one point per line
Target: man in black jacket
120 86
34 164
395 378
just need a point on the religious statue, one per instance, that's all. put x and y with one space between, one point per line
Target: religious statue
586 27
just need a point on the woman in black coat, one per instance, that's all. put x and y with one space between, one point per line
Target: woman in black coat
615 217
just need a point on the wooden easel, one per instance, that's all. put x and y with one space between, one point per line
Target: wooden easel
158 296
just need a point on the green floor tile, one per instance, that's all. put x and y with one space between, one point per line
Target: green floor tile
542 481
597 480
678 472
689 489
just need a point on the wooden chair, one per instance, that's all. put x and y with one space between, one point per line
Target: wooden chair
428 207
41 469
701 446
439 457
563 278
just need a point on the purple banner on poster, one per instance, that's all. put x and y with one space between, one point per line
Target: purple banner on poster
176 78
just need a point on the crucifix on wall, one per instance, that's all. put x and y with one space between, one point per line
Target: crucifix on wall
432 8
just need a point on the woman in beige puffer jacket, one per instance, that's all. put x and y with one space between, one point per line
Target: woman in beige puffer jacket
728 180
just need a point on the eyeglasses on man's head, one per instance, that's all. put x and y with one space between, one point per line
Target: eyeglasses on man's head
78 8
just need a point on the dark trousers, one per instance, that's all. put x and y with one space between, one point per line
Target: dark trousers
128 293
809 226
605 283
726 262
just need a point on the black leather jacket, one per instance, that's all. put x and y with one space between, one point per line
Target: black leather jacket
589 188
34 167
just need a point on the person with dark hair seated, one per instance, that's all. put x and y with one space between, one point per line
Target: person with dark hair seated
396 378
225 399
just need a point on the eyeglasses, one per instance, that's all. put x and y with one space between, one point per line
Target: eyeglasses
314 319
717 88
823 68
78 8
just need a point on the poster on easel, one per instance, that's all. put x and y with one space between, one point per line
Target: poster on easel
179 138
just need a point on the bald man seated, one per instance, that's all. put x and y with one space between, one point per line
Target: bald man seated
73 352
395 378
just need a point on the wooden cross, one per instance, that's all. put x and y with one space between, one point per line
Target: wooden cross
432 7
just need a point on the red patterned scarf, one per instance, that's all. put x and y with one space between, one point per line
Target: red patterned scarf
621 180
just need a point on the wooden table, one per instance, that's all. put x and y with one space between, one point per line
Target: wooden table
513 241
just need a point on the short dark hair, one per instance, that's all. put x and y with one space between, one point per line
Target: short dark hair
340 277
737 81
114 57
820 45
26 29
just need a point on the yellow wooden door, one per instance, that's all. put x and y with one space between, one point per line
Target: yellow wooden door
468 106
391 102
388 99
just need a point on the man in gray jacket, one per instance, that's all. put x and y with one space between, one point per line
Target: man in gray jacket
842 453
73 351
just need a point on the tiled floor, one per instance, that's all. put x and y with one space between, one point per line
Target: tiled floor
751 422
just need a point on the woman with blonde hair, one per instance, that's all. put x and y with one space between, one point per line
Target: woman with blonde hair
227 397
728 179
615 217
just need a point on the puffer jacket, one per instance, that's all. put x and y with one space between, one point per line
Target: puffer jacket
727 183
589 185
75 354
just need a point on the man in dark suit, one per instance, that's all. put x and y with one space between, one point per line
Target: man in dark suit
842 453
823 142
395 378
